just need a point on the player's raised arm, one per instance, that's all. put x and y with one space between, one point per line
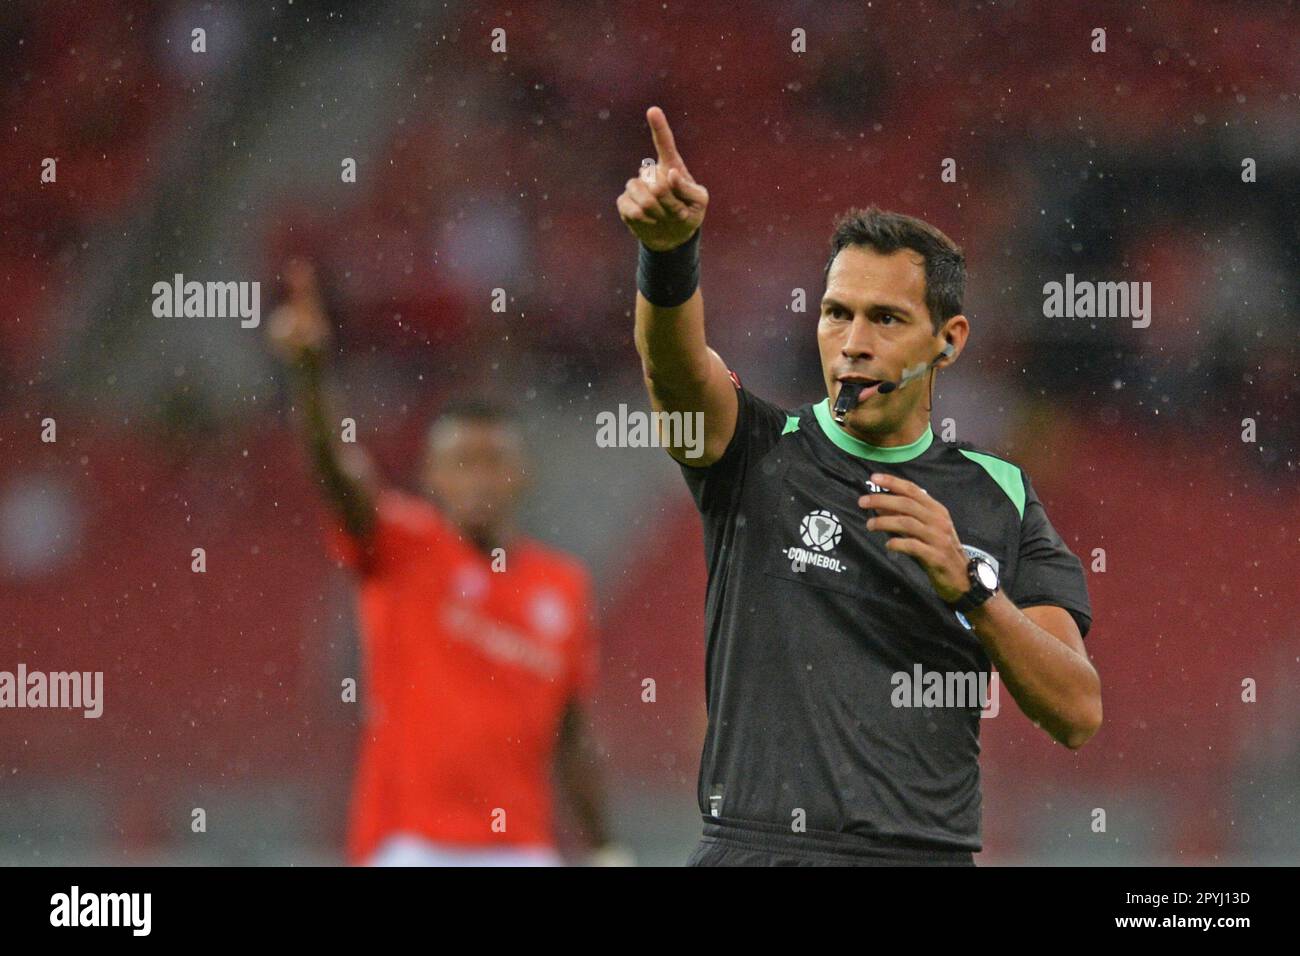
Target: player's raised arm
664 208
299 332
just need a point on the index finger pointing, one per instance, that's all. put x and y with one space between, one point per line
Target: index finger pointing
665 146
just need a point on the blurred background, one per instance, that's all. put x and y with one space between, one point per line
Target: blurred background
479 170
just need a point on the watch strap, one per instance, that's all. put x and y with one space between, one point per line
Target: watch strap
977 594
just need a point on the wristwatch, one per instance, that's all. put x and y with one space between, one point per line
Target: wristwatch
983 585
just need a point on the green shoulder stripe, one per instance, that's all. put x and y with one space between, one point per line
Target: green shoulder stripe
1007 475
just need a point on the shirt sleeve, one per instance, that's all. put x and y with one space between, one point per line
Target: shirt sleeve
1048 572
717 487
402 523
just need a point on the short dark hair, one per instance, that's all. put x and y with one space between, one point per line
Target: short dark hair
482 410
478 411
886 232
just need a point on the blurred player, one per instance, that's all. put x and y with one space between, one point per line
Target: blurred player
477 641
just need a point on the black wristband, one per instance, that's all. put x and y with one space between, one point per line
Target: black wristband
668 279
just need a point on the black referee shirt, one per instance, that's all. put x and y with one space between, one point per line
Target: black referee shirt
810 618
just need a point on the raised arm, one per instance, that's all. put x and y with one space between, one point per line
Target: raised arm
299 332
664 208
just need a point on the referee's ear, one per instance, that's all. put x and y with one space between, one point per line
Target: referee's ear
954 334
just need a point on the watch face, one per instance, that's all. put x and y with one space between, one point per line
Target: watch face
988 577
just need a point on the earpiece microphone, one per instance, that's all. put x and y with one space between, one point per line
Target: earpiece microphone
851 392
916 372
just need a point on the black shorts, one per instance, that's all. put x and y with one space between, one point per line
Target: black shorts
733 846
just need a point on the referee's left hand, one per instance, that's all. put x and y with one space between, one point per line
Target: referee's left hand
923 529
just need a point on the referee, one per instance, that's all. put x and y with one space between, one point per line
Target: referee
862 572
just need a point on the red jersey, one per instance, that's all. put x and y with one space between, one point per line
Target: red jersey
467 674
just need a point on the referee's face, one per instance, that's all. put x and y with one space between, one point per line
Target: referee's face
875 324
